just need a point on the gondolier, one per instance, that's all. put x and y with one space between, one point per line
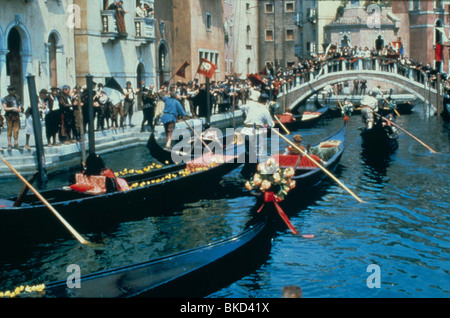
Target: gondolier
172 110
257 117
369 105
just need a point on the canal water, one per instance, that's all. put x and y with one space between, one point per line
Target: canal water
401 232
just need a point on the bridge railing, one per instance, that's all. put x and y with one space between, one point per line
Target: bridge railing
390 65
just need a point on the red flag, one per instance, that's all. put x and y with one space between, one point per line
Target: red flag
182 70
206 68
264 71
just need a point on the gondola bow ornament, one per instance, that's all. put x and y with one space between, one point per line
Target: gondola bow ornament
274 183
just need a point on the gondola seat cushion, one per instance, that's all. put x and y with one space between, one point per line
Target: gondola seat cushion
80 187
286 118
287 160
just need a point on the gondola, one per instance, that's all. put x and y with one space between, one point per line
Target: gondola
156 190
225 144
330 150
379 139
195 272
305 120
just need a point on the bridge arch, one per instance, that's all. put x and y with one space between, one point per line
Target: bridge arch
296 96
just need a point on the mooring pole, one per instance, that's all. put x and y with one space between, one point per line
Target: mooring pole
37 129
90 105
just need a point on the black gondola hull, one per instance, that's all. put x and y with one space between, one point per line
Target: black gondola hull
193 273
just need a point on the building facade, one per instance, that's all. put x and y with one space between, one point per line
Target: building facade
36 37
278 32
423 24
104 50
241 37
356 27
198 32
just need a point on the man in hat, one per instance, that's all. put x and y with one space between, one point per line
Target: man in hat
12 107
257 117
298 142
53 117
128 103
68 129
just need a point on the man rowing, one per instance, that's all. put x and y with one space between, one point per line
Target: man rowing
369 105
257 118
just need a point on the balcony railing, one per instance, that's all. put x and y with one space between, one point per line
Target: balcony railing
145 29
109 26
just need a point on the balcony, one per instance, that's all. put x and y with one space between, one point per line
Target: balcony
109 26
145 30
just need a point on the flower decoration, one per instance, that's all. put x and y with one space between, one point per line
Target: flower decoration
271 178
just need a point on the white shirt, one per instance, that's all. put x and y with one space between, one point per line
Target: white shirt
256 114
370 101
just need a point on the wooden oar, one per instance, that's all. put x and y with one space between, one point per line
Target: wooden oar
339 102
199 137
67 225
320 166
404 130
283 126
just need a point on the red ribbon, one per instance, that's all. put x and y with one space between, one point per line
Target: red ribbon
271 197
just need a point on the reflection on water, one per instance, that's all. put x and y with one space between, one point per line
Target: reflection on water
403 226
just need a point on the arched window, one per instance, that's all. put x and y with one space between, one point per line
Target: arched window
52 60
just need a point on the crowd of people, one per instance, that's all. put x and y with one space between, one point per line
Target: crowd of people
65 118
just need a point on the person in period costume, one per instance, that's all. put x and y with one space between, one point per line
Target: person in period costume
97 179
257 117
149 98
297 140
12 107
172 111
68 130
53 117
28 128
43 104
369 105
128 103
119 15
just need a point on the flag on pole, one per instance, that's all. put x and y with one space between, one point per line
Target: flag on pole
182 70
206 68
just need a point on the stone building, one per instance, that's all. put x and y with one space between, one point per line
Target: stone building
198 32
278 32
313 16
241 37
423 24
356 27
36 37
103 51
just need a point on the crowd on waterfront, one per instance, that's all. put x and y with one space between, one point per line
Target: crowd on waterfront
65 119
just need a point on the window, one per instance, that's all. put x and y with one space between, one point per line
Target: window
248 47
269 8
414 4
247 6
269 35
208 21
290 35
210 55
290 64
289 7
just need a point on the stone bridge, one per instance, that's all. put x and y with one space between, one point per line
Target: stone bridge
294 95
